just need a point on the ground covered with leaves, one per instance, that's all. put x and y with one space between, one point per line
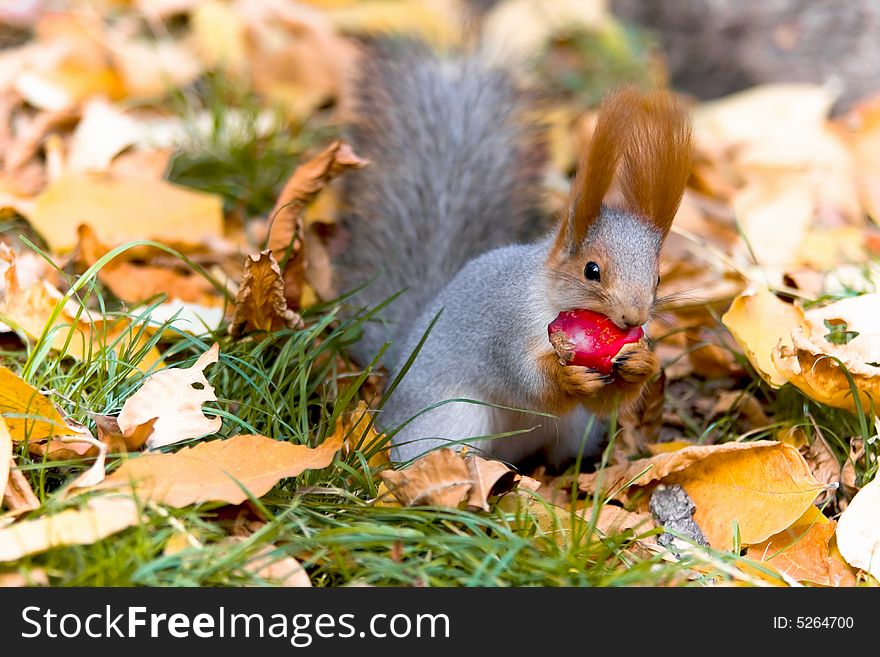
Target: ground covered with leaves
178 405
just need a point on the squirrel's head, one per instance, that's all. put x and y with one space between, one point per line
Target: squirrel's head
606 258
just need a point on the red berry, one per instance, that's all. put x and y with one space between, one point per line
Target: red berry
589 339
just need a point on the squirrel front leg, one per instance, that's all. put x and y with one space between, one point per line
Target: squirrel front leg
636 363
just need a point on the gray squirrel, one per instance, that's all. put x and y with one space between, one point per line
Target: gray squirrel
455 177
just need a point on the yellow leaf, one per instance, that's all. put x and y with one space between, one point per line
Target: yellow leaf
5 456
809 361
670 446
99 518
758 321
763 486
804 552
171 398
858 530
120 210
220 470
260 304
28 414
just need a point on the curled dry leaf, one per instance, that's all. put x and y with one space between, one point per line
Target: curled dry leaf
18 496
440 478
260 304
173 398
488 478
764 486
228 471
445 477
286 239
858 530
117 442
758 321
848 331
99 518
806 552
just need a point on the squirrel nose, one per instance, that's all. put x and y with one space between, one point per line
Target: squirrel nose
630 320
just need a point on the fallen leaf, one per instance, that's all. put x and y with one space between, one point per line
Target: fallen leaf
616 520
440 478
272 565
117 442
98 518
286 238
34 310
758 321
5 456
228 470
809 362
260 304
153 209
805 552
858 530
18 496
137 282
29 577
28 414
102 133
764 486
359 433
669 446
488 478
173 398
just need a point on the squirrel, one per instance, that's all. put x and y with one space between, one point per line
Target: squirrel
454 182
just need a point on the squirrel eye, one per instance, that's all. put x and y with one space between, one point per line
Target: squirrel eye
591 271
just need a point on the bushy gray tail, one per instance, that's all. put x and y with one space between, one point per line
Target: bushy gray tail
455 171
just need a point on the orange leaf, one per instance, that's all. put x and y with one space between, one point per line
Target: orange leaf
763 486
220 470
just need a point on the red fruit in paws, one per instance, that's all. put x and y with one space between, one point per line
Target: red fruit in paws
588 339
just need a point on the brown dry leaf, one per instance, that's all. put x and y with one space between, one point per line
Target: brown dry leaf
758 321
5 456
810 362
99 518
18 496
806 552
823 464
858 530
134 283
440 478
641 424
286 232
228 471
615 520
764 486
117 442
489 478
742 403
173 398
274 566
121 209
260 304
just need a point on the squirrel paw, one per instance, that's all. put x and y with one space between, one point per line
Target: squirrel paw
635 363
582 381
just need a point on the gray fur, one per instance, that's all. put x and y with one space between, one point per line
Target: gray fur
455 171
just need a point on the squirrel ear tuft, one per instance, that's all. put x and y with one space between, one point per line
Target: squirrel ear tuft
599 164
657 160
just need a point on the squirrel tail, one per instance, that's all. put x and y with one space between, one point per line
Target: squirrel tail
455 170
